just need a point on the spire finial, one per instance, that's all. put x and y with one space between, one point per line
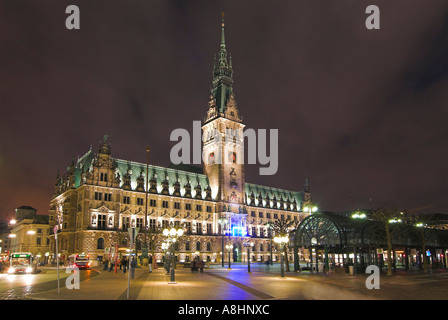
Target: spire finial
223 42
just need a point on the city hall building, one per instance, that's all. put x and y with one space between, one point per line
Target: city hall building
100 196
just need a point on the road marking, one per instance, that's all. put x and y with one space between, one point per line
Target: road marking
248 289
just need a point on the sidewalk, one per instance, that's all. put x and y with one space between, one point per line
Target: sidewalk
105 286
237 284
219 283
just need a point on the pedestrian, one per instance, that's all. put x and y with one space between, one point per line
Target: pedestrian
192 264
150 263
112 265
106 264
1 267
133 266
123 264
201 265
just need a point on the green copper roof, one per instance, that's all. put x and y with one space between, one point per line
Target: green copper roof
183 174
172 175
271 192
161 173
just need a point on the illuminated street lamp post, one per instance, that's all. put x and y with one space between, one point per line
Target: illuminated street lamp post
270 227
222 222
229 247
173 234
165 247
310 208
145 247
282 240
248 245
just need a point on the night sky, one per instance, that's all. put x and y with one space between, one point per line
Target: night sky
359 111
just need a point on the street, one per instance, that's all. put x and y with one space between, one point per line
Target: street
19 286
217 283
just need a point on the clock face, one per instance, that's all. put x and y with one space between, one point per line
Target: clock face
232 157
211 158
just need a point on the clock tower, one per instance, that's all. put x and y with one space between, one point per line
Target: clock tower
223 144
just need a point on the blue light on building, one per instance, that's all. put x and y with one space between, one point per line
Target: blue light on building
238 231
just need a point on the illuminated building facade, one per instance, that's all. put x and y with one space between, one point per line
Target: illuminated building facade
29 233
100 196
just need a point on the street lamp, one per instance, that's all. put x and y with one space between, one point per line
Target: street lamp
165 248
145 247
359 215
310 208
173 234
222 222
248 245
281 240
229 247
270 227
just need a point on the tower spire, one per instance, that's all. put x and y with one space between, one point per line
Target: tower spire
223 40
222 84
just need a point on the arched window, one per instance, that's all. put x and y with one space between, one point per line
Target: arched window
209 246
198 246
100 243
187 246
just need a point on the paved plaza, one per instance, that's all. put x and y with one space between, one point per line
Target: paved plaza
263 283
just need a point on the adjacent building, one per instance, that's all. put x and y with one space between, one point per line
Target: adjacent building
29 232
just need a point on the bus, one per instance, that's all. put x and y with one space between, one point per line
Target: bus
81 261
21 262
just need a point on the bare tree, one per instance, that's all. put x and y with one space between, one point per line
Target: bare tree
419 222
284 227
388 218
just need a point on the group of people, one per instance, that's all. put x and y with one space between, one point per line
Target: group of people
123 262
109 264
197 264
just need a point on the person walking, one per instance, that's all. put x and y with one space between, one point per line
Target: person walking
201 265
111 265
133 266
150 263
106 264
123 264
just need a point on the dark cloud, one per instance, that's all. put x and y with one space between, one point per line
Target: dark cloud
359 112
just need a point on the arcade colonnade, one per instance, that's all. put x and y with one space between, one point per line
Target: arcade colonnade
331 241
